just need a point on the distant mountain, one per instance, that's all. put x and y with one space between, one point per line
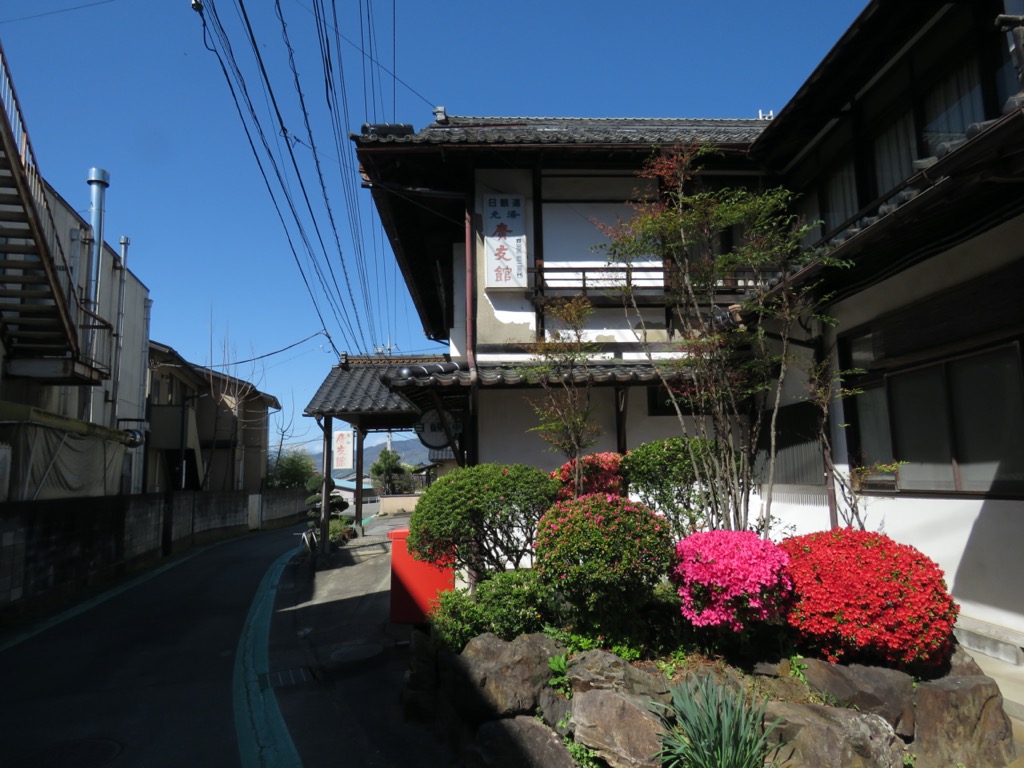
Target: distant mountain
412 451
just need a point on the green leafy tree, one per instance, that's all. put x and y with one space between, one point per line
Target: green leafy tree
663 476
291 469
389 474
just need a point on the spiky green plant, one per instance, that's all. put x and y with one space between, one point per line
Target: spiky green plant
710 726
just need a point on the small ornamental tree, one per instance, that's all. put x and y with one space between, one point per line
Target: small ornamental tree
860 595
729 256
731 579
481 518
664 476
388 473
600 474
332 525
604 555
561 366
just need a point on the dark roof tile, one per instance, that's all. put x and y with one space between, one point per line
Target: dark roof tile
517 375
570 130
355 387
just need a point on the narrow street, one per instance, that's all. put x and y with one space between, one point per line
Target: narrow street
143 675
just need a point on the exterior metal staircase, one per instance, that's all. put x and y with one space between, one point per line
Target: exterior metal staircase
48 333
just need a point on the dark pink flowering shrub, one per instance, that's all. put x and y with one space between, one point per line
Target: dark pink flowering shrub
862 595
731 579
601 474
602 553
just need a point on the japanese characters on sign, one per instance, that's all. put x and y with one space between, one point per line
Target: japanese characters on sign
342 449
505 241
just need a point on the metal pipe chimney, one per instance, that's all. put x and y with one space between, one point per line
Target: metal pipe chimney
98 182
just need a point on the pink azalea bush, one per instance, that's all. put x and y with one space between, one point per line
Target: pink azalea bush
601 474
731 579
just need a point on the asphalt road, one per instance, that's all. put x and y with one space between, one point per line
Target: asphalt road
145 675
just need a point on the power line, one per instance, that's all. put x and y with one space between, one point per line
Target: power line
54 13
321 332
389 72
225 44
375 291
319 170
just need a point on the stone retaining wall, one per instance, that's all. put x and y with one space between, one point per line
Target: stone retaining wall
494 704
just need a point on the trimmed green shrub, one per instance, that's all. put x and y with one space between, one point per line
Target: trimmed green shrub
455 619
711 726
507 604
603 555
662 475
860 596
513 603
482 518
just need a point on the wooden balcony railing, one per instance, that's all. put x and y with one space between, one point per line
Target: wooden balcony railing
607 284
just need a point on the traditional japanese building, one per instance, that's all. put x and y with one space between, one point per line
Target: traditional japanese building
906 143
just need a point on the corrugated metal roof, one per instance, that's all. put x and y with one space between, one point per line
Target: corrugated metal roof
568 130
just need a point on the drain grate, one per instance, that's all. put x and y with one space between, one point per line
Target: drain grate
283 678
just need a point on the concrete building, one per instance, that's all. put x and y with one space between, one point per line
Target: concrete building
74 324
208 431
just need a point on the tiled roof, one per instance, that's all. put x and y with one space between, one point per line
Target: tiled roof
513 375
355 387
451 129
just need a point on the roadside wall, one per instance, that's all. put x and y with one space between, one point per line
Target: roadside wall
57 550
391 505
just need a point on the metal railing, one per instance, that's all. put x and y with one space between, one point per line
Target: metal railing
77 319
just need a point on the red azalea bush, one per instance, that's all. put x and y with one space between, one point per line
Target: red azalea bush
602 553
731 579
601 474
862 595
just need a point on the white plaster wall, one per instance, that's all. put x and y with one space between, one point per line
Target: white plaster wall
642 428
571 237
506 419
457 335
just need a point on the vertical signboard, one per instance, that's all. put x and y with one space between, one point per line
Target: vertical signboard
342 450
505 241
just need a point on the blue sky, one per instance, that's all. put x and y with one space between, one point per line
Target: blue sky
130 86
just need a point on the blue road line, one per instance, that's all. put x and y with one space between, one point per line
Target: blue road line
263 737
